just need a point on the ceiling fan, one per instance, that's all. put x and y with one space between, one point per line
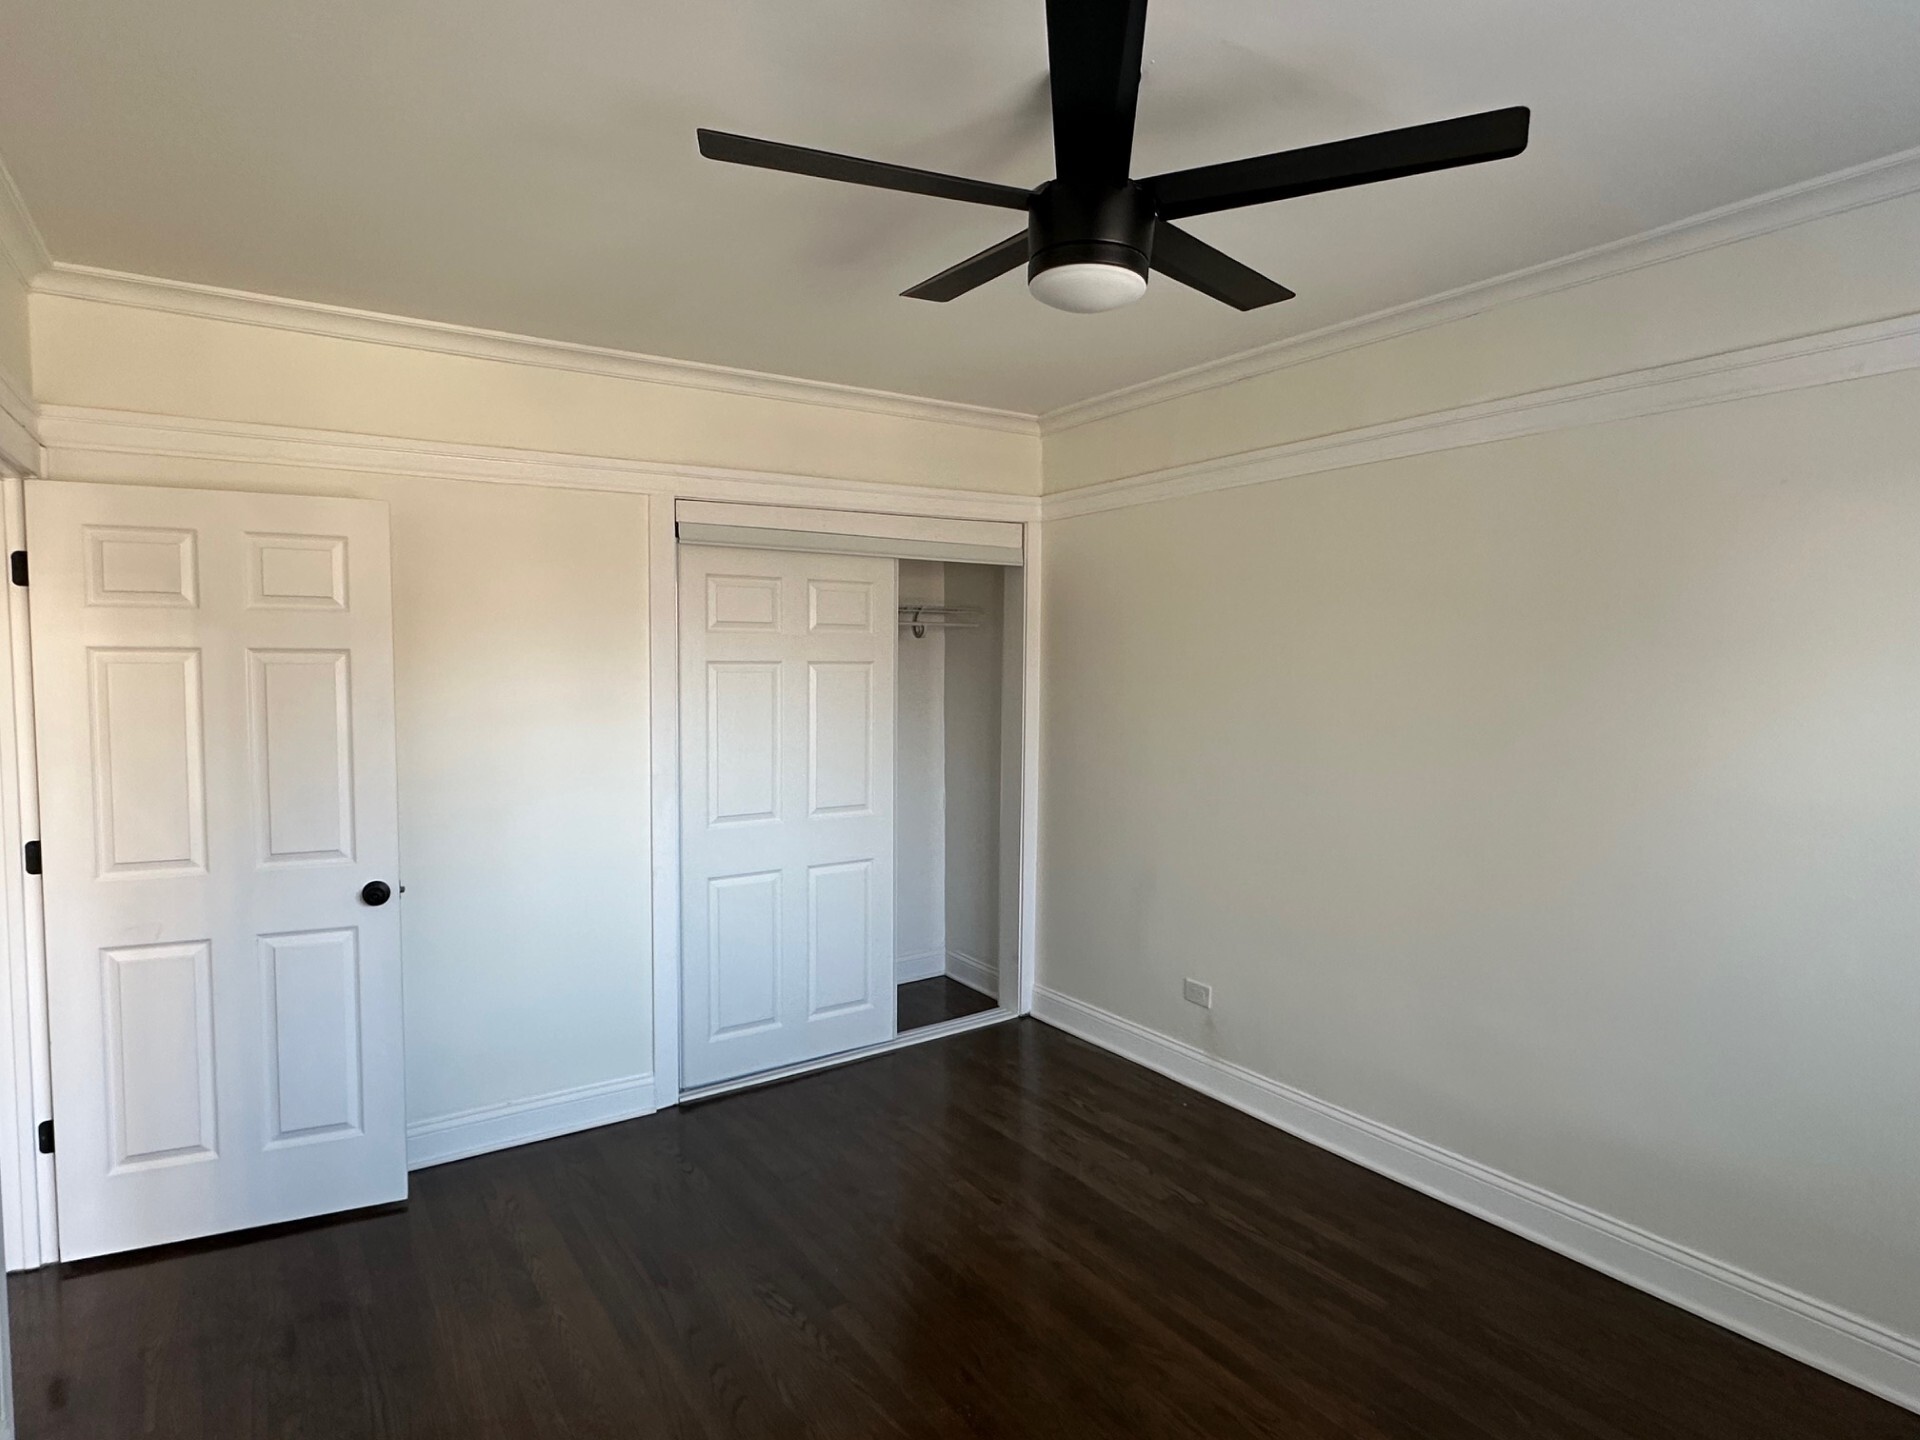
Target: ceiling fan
1092 232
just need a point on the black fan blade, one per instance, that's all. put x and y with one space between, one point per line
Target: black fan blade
1494 135
1194 262
974 271
1093 49
798 160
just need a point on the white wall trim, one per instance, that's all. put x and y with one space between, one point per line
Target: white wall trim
306 317
663 791
1026 960
1850 353
441 1138
1834 194
32 1222
1831 1339
21 247
974 973
80 430
924 966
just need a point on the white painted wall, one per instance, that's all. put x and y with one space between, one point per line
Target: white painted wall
520 630
920 785
1555 801
520 651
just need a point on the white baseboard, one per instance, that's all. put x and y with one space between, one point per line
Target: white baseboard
1830 1339
498 1127
924 966
974 974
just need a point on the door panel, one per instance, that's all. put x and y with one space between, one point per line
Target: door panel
840 726
743 726
787 696
214 711
302 722
839 937
159 1018
148 748
313 1018
743 950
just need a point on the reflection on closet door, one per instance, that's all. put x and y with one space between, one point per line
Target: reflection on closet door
786 804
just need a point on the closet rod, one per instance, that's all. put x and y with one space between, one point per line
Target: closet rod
922 618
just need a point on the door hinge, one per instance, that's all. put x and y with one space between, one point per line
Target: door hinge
46 1137
33 857
17 564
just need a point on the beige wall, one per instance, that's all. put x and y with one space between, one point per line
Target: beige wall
91 353
520 656
1556 801
1846 269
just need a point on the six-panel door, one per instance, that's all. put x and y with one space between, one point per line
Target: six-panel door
214 712
787 720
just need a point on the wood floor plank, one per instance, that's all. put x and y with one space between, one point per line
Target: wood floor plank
1004 1233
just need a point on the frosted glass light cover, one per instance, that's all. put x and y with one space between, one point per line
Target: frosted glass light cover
1087 288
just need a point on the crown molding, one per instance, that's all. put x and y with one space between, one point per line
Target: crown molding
307 317
1843 190
71 432
20 244
1880 180
1851 353
1886 179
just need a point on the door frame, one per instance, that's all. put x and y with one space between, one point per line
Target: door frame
663 646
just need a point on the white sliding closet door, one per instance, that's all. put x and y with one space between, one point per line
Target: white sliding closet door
786 761
213 687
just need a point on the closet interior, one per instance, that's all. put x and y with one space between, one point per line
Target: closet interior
957 790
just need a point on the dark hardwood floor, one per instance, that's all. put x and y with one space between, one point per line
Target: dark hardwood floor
928 1002
1006 1233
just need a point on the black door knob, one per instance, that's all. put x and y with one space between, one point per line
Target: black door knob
376 892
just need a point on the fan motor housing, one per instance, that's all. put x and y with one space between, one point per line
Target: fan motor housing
1073 226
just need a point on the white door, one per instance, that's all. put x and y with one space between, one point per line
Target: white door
213 686
786 765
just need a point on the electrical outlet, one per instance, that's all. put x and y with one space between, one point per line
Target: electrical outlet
1196 993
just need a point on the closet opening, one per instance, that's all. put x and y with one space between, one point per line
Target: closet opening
852 749
957 791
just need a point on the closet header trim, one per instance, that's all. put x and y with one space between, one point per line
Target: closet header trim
847 532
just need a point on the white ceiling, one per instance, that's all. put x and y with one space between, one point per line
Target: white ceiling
529 166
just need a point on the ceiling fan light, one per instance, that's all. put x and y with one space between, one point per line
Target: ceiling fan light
1086 288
